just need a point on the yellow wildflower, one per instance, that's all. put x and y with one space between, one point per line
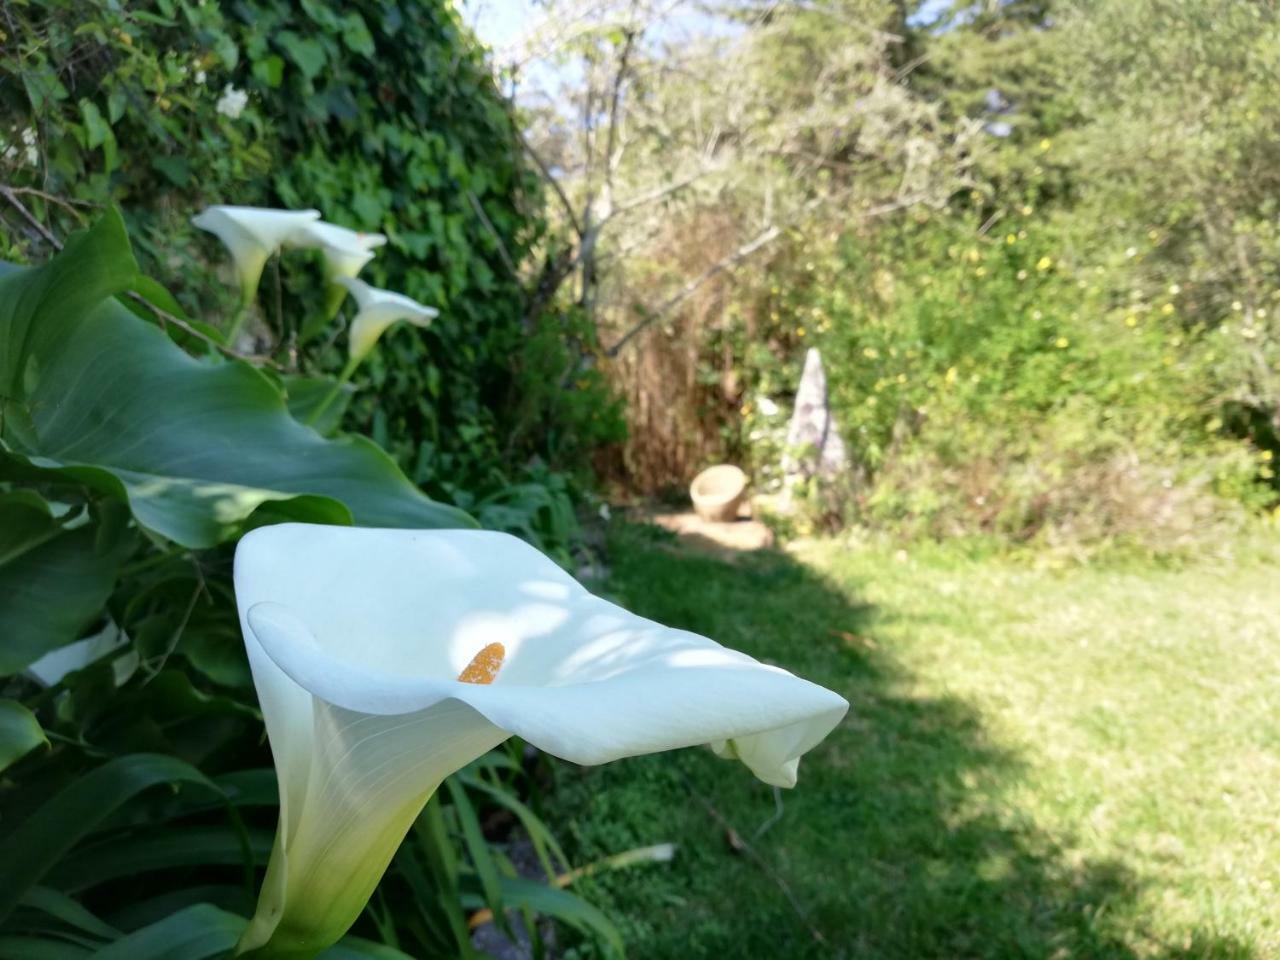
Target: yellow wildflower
1043 264
1062 343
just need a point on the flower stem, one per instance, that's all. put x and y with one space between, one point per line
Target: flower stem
237 321
329 397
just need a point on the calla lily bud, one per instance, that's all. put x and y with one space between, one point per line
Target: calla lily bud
253 235
387 659
345 254
376 311
345 251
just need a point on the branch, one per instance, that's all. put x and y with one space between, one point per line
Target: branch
555 184
618 78
488 225
732 260
657 194
720 266
11 194
165 317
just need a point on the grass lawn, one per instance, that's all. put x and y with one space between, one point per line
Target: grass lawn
1037 763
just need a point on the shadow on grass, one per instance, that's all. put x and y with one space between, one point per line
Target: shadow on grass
900 840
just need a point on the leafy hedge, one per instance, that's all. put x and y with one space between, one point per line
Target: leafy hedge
381 113
132 455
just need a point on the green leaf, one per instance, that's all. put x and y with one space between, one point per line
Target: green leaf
355 948
307 54
95 127
563 906
191 934
26 521
355 34
478 848
46 836
269 70
305 394
205 931
544 843
61 907
94 265
20 732
38 948
158 849
195 447
52 592
177 170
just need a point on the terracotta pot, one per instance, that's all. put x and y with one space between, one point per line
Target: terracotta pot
717 492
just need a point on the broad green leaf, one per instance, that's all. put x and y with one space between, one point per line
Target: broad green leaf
191 934
62 907
196 447
356 948
45 837
52 591
158 849
205 931
306 394
39 948
20 732
26 521
308 54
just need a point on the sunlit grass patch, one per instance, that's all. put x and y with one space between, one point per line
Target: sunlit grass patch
1039 763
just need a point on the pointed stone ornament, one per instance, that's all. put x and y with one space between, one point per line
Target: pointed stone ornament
814 445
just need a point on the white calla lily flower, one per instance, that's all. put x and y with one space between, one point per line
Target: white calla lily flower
387 659
376 311
253 235
345 251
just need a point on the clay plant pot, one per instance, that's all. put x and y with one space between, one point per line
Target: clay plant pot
717 492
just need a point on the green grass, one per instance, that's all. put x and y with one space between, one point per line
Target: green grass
1037 763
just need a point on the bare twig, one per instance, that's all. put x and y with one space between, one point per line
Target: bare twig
10 194
165 317
658 193
555 184
689 288
746 848
503 252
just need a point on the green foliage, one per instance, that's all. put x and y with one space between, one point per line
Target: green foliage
1023 773
125 464
382 114
1074 349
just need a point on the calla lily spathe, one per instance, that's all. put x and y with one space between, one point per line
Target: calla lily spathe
253 235
387 659
376 311
345 251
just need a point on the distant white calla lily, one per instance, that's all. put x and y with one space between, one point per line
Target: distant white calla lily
345 251
387 659
253 235
345 254
376 311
